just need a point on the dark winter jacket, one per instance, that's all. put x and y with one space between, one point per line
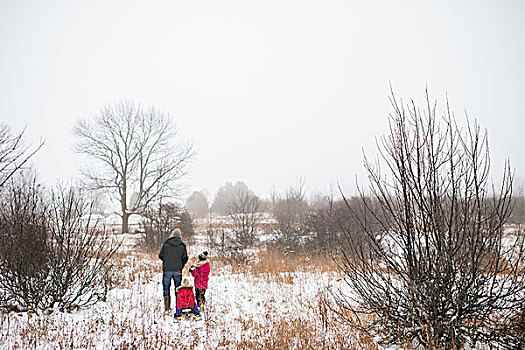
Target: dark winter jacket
173 255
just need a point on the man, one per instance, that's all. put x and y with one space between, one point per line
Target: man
174 256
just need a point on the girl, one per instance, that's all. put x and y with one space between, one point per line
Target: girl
200 271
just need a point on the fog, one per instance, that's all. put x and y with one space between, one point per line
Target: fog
267 91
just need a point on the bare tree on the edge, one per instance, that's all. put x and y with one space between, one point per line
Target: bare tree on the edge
13 154
437 269
137 154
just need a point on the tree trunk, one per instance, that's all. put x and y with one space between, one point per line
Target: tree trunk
125 219
124 204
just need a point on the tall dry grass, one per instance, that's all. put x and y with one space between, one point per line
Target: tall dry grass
273 261
315 327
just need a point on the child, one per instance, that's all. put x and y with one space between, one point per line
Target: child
200 271
186 301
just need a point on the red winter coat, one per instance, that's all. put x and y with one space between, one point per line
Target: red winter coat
185 297
201 273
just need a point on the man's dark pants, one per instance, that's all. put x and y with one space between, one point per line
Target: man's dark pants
167 276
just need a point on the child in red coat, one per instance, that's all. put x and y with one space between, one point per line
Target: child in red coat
186 301
200 271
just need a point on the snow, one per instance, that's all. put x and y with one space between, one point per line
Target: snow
239 305
242 308
134 314
114 221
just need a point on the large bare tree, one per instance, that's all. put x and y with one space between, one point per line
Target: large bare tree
137 155
438 268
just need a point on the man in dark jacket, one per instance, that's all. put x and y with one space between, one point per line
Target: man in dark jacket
174 256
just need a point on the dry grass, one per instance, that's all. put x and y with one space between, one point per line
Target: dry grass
271 261
128 325
315 326
132 321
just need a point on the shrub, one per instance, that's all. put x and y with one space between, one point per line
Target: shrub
437 269
52 255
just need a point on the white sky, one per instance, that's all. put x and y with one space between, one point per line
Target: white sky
267 90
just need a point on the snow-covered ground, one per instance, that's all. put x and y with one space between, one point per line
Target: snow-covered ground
243 310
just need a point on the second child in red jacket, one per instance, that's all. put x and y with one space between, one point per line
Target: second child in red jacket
186 301
200 271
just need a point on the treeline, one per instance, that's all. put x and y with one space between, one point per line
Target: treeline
238 221
297 221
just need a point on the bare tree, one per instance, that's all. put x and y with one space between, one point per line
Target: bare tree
159 222
197 204
326 221
245 216
437 268
13 153
230 239
135 151
290 210
80 264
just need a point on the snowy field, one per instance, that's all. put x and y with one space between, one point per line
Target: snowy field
244 311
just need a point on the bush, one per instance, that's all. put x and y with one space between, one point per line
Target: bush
80 262
24 252
52 255
438 269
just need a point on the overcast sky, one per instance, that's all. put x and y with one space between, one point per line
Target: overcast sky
266 90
